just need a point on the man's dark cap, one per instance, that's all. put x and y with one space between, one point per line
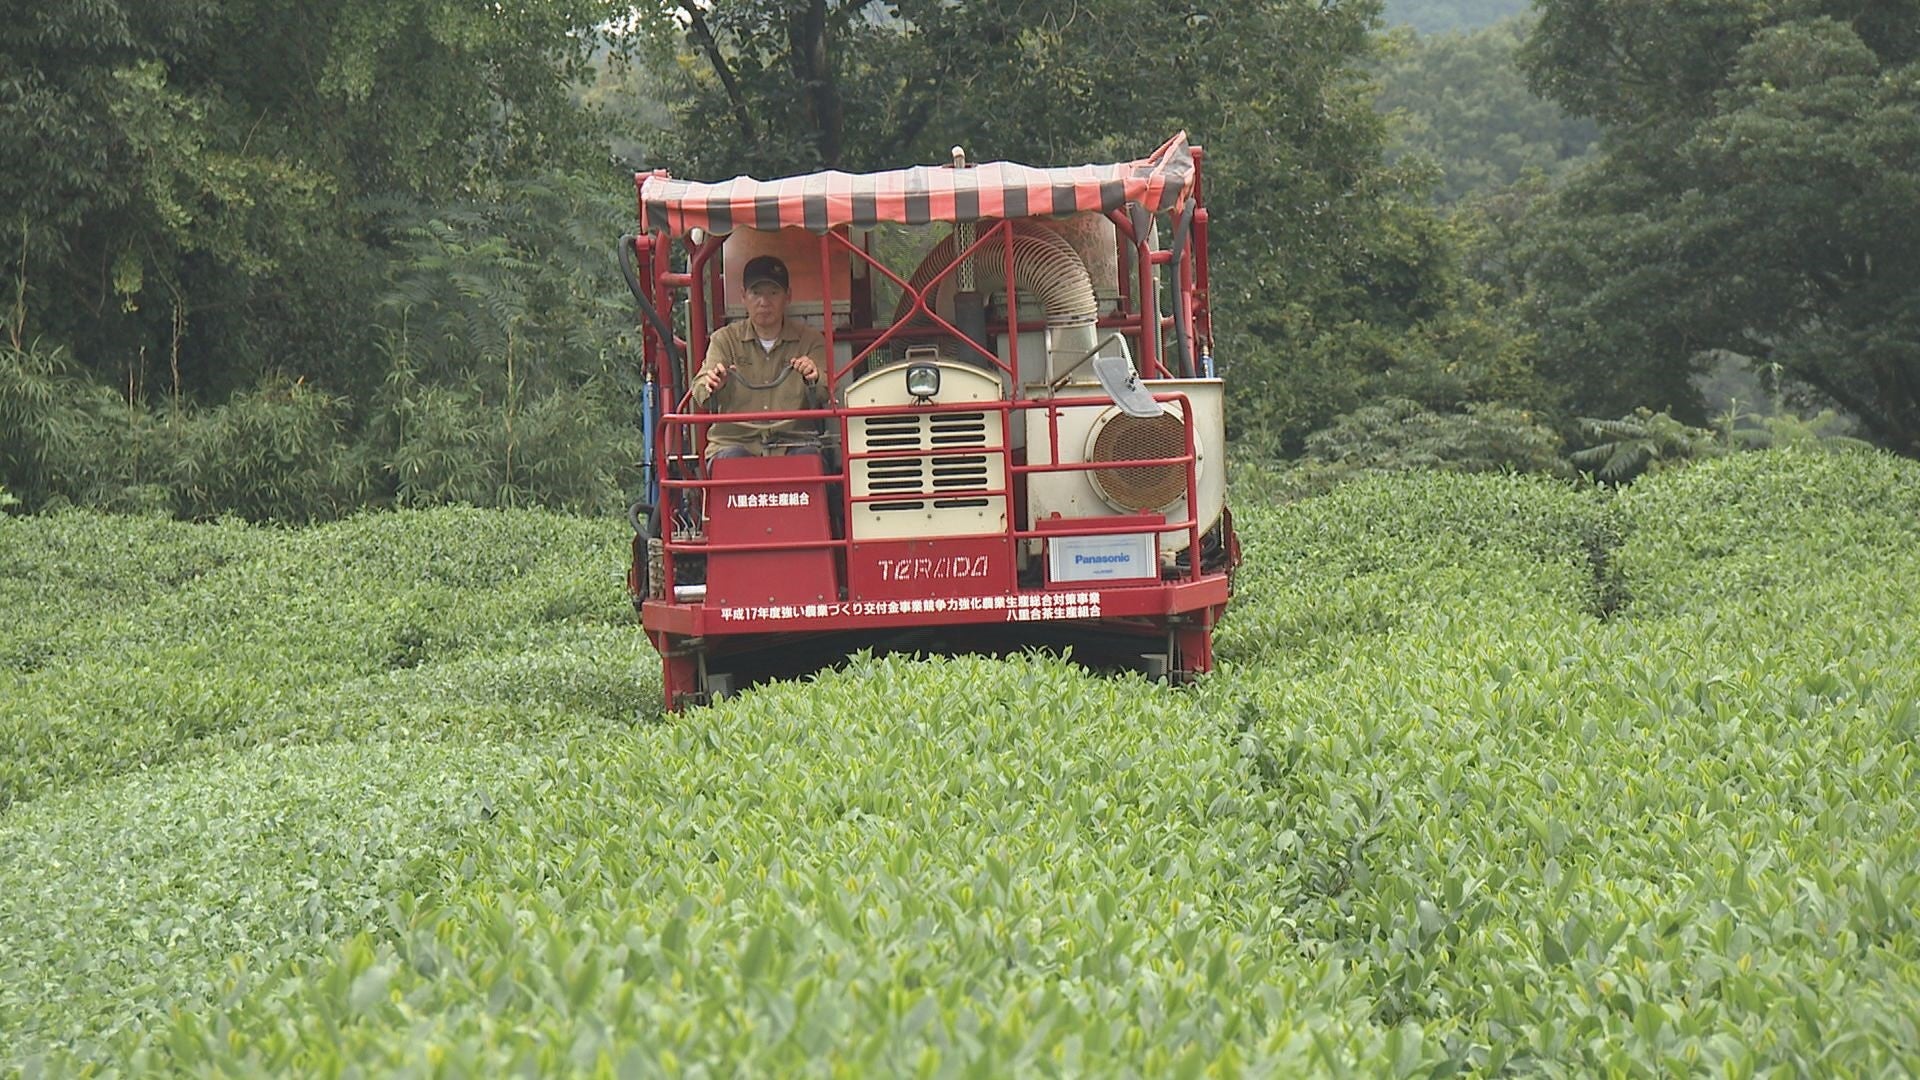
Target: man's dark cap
762 268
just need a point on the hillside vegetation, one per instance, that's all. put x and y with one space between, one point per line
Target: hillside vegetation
1460 101
1499 774
1438 16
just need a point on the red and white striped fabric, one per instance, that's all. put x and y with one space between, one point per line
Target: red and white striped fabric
915 196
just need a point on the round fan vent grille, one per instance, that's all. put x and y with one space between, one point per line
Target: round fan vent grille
1132 438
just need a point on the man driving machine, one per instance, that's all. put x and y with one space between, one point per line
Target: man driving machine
763 363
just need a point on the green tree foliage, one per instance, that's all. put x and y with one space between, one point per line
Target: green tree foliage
375 223
1436 16
1643 440
54 423
629 90
1755 199
1459 100
271 451
509 359
1321 258
1462 346
282 260
185 179
771 87
1398 434
1826 430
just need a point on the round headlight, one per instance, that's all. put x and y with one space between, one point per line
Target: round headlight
923 380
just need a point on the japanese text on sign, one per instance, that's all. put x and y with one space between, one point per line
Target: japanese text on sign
1025 607
754 500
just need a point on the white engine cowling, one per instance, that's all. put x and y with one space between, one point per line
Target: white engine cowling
1093 429
940 465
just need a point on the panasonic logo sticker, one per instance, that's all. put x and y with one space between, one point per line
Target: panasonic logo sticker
1123 557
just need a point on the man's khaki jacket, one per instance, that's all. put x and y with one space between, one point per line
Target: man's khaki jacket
735 345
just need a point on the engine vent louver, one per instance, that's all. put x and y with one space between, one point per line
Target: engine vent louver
934 462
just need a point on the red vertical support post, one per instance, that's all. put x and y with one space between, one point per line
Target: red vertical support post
1127 248
1013 316
672 440
654 349
826 305
696 332
1202 276
1006 471
1149 309
1194 642
679 669
716 283
1193 487
704 290
831 375
1014 507
650 345
660 262
859 287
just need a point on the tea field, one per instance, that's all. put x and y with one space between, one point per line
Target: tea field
1498 776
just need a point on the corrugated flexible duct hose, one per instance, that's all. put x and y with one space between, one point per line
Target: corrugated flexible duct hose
1046 267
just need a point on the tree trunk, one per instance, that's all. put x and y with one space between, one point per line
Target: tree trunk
812 66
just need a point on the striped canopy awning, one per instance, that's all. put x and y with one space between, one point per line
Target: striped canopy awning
915 196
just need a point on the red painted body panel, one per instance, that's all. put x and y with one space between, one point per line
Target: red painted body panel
761 500
930 569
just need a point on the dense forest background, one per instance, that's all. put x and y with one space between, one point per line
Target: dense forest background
1436 16
286 260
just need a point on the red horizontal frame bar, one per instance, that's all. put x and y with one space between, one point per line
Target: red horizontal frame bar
1152 600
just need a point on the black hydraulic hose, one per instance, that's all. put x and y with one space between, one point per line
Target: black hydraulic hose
665 330
645 518
1182 226
660 324
1182 229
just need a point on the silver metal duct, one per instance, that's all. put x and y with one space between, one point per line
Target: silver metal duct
1045 266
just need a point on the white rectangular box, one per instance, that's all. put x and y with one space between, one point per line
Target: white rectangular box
1126 557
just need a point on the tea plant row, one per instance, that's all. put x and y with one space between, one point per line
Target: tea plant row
1498 775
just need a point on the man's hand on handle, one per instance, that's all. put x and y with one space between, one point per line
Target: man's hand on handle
805 366
713 379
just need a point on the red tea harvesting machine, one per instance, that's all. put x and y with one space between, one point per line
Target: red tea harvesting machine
1022 440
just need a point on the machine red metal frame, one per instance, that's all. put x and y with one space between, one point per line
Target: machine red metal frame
925 582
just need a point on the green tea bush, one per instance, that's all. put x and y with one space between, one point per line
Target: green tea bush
1386 553
905 867
1497 776
122 898
1663 841
1568 847
233 636
1784 521
66 579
